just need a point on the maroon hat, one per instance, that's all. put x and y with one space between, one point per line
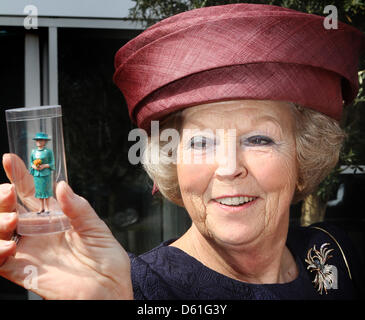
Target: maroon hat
239 51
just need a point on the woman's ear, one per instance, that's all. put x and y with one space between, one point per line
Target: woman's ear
300 185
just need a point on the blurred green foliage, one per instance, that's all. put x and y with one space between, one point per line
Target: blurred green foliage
151 11
352 154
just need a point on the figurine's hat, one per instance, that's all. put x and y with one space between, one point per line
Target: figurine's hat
239 51
41 136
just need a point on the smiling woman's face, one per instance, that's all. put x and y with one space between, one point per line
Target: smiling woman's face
243 186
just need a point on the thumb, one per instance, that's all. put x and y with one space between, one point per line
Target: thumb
82 216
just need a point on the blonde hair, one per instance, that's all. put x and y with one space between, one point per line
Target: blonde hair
318 138
164 173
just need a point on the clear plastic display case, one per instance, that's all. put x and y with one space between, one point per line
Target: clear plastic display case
37 164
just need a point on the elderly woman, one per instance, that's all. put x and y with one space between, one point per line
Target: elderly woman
255 93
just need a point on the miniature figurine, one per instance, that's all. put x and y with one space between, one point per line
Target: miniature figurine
41 167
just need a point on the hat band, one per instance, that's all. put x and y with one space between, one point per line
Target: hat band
320 89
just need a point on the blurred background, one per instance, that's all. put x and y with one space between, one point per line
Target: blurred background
61 52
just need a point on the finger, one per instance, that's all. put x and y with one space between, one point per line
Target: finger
82 216
18 174
7 249
8 223
7 198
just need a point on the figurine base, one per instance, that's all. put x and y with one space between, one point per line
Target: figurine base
49 222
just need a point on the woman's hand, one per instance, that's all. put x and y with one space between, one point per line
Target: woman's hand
43 166
35 167
86 262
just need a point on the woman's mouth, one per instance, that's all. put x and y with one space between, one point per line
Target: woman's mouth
235 203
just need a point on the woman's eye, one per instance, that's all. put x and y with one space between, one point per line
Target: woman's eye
258 141
201 143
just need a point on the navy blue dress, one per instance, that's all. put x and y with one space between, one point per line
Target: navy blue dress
168 273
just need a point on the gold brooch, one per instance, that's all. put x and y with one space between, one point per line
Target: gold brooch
325 277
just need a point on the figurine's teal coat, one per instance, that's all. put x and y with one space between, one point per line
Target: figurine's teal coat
43 178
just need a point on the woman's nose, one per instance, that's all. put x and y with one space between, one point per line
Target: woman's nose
229 164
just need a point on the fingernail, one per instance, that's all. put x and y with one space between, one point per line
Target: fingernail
5 155
9 216
8 189
5 190
6 243
69 190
